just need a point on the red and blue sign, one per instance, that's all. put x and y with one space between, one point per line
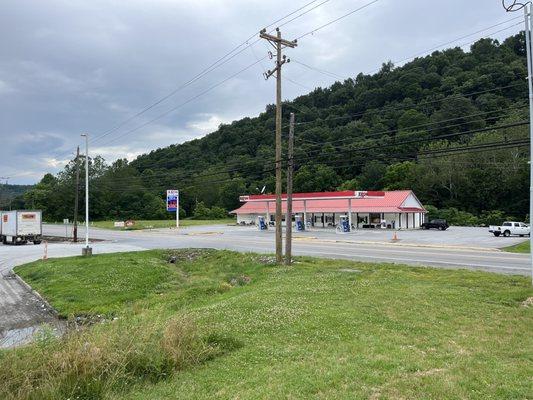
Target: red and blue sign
172 200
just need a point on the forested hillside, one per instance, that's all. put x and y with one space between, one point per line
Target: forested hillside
451 126
12 194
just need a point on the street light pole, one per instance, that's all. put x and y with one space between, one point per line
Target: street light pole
87 251
516 6
527 32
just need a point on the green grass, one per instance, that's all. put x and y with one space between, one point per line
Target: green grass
321 329
164 223
100 285
519 248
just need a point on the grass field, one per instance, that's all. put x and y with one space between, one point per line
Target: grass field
519 248
320 329
164 223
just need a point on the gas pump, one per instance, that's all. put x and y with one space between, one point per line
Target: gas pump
300 226
261 224
344 225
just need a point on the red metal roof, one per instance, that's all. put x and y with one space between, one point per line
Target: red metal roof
389 202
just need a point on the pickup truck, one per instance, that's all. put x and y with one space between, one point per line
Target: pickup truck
441 224
509 228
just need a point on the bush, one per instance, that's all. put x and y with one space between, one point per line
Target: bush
463 218
201 211
494 217
453 216
105 359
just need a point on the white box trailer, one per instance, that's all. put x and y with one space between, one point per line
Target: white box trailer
20 227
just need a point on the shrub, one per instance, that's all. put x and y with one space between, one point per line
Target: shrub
494 217
453 216
102 359
201 211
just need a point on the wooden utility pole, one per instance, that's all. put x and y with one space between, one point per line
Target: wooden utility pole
76 196
279 44
290 169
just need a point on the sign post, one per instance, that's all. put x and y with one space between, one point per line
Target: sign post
173 204
66 222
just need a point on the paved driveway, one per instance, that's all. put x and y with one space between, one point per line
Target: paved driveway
454 236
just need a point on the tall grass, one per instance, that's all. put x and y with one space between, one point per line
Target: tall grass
104 359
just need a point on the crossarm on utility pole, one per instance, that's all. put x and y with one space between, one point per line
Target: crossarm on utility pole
276 39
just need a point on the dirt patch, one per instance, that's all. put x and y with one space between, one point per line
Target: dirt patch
428 372
267 260
240 280
350 270
175 256
528 302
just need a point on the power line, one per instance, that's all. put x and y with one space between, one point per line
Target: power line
382 133
351 151
344 149
336 20
411 129
337 76
219 62
337 165
388 107
184 103
159 164
315 30
329 23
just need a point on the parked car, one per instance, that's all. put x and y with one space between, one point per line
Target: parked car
509 228
440 224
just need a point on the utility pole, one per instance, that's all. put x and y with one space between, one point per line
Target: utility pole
76 196
290 169
279 44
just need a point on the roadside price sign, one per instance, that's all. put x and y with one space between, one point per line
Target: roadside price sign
172 200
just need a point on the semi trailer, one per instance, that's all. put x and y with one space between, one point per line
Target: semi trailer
21 227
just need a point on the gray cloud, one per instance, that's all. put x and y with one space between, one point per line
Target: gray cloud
73 66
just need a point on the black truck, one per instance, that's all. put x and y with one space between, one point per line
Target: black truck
440 224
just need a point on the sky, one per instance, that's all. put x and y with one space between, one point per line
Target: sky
69 67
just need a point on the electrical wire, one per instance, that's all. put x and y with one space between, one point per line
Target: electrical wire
350 151
218 63
255 137
312 32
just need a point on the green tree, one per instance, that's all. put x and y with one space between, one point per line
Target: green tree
315 178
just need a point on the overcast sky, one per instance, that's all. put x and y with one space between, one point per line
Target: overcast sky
72 66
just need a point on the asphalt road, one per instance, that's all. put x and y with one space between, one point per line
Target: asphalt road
319 244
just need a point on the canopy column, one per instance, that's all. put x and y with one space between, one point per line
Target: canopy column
350 213
305 214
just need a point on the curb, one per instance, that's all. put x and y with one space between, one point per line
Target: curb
50 309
